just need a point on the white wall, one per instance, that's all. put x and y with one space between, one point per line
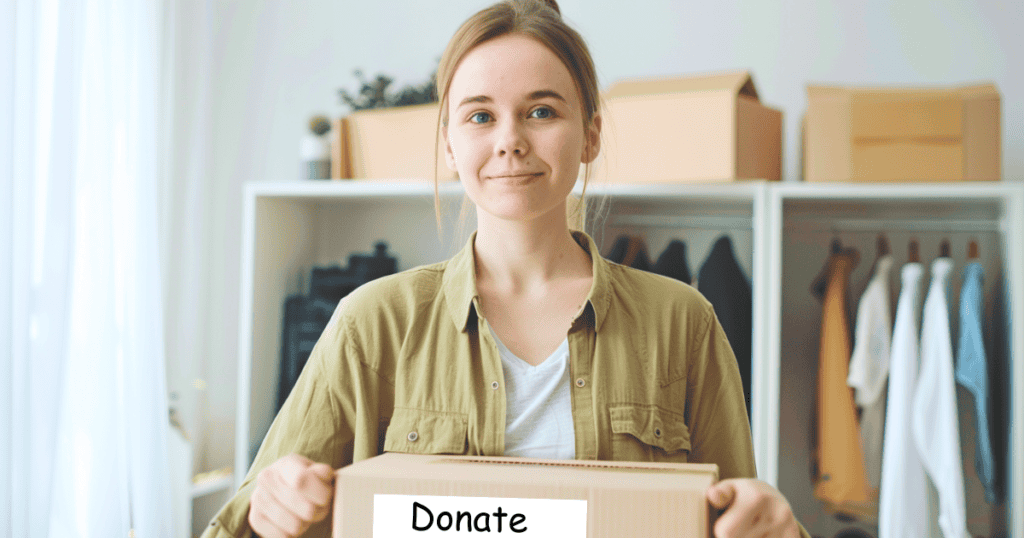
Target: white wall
275 64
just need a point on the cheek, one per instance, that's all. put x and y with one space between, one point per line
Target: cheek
569 148
466 151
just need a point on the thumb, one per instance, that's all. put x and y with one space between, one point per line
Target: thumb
323 471
721 494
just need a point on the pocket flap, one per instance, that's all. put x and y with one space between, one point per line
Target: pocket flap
652 425
420 431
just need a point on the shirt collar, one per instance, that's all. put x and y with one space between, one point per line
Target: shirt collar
460 292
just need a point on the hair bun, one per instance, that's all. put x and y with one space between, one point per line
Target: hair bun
553 5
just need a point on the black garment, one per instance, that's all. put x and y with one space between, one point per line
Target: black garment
618 251
630 251
672 262
305 318
721 281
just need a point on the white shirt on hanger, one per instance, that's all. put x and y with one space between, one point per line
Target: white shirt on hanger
869 366
904 510
935 425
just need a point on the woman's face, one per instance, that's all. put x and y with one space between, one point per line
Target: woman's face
515 129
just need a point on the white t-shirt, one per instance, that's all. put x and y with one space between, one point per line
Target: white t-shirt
935 423
904 507
538 411
869 366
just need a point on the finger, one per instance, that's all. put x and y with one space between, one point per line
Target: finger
293 464
302 475
734 523
270 520
291 500
721 494
748 513
317 484
264 528
324 471
321 512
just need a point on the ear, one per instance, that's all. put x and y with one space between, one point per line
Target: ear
449 154
592 144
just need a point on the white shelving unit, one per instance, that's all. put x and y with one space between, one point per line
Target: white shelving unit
780 234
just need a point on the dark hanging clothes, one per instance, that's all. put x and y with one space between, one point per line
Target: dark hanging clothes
722 282
672 262
630 251
305 317
618 251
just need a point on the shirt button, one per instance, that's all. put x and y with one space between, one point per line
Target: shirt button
657 432
494 385
580 383
413 436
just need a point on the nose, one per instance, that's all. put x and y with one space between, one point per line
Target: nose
511 139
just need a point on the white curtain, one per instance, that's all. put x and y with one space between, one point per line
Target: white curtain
83 398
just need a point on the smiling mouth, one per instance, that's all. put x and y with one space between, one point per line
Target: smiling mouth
520 176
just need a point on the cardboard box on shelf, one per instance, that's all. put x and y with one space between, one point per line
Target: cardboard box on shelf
701 128
388 143
902 134
399 495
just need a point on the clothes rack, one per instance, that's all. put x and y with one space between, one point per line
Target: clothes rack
679 221
907 225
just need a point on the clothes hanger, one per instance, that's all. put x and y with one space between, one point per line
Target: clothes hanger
972 250
820 283
944 248
881 250
882 245
912 252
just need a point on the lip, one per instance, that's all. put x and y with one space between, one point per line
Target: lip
516 175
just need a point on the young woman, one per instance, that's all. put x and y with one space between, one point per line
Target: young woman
525 343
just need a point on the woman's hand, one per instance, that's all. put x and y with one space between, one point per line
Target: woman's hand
291 494
752 509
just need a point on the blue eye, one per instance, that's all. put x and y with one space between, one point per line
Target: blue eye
478 114
547 111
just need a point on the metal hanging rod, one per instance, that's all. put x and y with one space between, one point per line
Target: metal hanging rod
812 224
681 221
900 225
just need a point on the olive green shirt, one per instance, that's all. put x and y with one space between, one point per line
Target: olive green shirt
408 365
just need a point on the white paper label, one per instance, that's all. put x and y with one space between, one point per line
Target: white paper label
398 516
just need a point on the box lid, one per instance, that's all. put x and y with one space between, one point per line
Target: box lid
981 90
533 470
887 113
735 82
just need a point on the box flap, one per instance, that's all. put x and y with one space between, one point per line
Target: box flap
827 92
736 82
979 91
903 113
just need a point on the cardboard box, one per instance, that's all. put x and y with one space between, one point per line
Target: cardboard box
705 128
388 143
397 495
902 134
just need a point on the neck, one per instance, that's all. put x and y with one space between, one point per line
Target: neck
518 256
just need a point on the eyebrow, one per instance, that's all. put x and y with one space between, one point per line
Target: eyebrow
539 94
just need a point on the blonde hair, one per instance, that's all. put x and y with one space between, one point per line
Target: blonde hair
542 21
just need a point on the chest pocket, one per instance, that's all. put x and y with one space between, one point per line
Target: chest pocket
419 431
648 433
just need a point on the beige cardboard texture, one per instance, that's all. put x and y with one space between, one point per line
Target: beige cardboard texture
703 128
902 134
390 143
620 499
